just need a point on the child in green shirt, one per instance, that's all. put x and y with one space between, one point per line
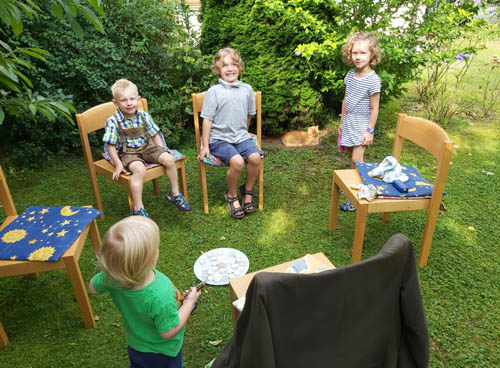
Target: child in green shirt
154 313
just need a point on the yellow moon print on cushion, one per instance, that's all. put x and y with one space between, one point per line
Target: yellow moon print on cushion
14 236
66 211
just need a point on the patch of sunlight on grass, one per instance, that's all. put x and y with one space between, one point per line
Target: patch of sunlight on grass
462 230
278 225
304 190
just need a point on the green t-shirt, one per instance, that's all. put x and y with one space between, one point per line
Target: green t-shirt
146 313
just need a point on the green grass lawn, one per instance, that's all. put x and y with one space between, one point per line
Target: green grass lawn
460 285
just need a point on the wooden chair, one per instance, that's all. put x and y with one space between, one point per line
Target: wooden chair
423 133
94 119
68 261
197 106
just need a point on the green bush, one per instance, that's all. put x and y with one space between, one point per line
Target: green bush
146 42
292 49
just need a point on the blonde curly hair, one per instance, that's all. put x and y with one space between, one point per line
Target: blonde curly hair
219 56
375 50
129 251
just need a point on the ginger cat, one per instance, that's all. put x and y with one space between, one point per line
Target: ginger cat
298 138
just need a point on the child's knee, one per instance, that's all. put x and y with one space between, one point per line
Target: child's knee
254 158
137 168
236 162
166 160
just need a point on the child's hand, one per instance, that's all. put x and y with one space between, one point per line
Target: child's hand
118 170
191 295
339 130
205 152
367 139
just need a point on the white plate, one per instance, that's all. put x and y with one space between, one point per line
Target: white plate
218 266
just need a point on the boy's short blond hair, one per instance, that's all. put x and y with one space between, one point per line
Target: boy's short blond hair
376 52
129 250
221 54
120 85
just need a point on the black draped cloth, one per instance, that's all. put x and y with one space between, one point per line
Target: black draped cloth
365 315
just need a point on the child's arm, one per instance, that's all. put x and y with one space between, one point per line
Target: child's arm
157 140
113 153
374 103
249 121
342 116
91 287
184 312
205 135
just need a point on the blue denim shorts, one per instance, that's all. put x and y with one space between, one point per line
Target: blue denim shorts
225 150
139 359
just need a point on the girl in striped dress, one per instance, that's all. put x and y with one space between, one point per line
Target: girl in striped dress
362 96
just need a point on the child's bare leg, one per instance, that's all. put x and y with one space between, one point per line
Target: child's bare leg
348 151
358 154
253 165
167 160
236 164
136 183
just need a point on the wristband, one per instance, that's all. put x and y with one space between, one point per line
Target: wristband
370 130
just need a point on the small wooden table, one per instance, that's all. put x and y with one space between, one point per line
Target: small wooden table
238 286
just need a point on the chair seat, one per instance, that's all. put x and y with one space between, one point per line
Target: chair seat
349 178
105 168
216 161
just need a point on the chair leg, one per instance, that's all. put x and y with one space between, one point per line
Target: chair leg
425 245
97 193
203 183
34 275
359 233
95 237
130 201
156 186
334 206
181 174
261 185
80 291
4 340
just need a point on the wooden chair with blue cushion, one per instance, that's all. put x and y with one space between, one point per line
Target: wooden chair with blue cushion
68 261
432 138
94 119
213 161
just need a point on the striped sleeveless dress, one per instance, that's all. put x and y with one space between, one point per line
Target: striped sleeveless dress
357 106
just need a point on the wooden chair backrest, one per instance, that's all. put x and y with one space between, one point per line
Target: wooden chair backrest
94 119
198 99
430 137
6 199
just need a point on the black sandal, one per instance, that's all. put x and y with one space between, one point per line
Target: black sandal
248 207
233 211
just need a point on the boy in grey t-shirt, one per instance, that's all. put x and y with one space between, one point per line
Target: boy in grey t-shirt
226 113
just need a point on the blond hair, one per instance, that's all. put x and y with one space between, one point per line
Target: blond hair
129 250
219 56
376 52
121 85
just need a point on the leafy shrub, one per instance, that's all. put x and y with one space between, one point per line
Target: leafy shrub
292 49
146 42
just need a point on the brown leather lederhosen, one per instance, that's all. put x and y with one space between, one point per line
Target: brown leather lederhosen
135 132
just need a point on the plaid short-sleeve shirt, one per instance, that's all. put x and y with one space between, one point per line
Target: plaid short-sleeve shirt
141 118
